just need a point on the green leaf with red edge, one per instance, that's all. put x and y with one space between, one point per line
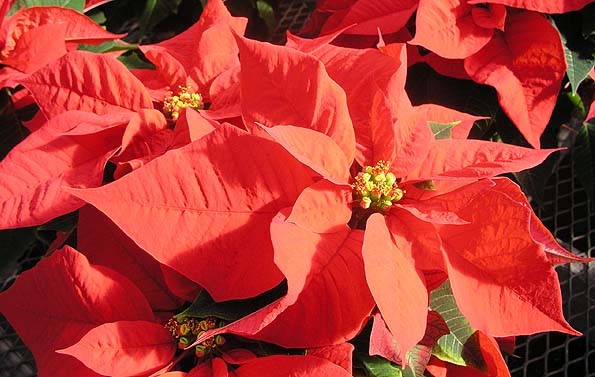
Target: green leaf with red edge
419 356
543 6
126 348
89 82
67 297
35 171
72 4
447 28
283 366
236 194
200 53
495 258
103 243
389 273
525 65
310 100
454 347
456 158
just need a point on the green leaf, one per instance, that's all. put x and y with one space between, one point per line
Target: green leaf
583 158
577 50
155 12
13 245
460 346
204 306
109 46
73 4
133 60
419 356
379 367
442 130
266 12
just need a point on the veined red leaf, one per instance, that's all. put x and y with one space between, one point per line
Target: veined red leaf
35 171
124 348
389 273
103 243
382 342
323 207
283 366
320 268
495 258
526 65
448 29
67 297
455 158
419 356
556 253
543 6
340 354
237 195
313 100
369 16
89 82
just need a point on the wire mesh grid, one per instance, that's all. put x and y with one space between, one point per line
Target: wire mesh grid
567 214
565 211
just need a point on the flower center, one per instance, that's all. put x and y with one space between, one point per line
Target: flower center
191 329
173 104
376 187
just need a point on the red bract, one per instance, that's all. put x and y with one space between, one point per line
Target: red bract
36 36
90 312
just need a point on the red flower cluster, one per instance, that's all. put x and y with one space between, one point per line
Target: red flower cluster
241 165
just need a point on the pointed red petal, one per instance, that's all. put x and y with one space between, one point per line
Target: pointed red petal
310 100
236 194
283 366
103 243
126 348
543 6
413 140
455 158
380 82
203 51
369 16
496 259
526 65
313 149
36 48
34 172
447 28
63 297
89 82
390 273
323 207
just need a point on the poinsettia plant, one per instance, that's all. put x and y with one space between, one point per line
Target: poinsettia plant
250 209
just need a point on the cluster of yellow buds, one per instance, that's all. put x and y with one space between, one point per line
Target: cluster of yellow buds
376 188
190 329
173 104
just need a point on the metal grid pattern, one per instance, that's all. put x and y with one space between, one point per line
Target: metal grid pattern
566 212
